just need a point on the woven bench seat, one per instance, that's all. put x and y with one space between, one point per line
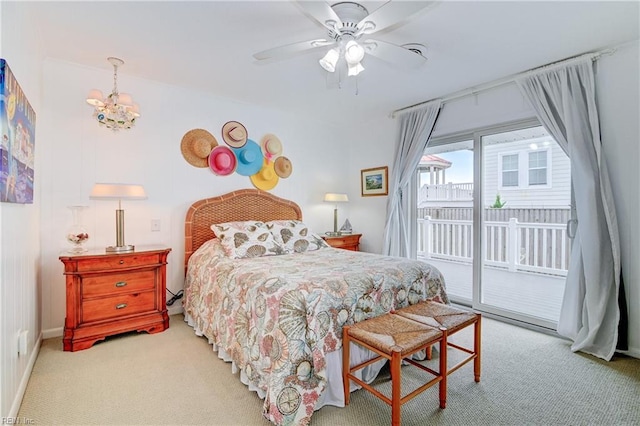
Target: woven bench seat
395 338
453 319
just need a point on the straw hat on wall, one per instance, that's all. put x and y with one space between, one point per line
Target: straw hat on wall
196 146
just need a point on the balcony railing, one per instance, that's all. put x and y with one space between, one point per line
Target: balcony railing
446 192
515 246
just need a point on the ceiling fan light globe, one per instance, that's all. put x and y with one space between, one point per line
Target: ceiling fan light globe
355 69
329 61
353 52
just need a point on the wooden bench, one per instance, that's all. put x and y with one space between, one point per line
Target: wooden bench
396 338
439 315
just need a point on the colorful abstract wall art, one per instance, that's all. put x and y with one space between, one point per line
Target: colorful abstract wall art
17 129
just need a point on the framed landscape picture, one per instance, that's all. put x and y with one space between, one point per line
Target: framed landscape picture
374 181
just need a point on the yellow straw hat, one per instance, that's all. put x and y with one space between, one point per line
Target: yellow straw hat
266 178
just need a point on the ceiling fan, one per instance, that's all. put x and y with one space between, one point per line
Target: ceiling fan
349 26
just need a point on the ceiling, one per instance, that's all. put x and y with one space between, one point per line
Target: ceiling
208 46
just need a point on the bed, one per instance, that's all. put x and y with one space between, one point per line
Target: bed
278 318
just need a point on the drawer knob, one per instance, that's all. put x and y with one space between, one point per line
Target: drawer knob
121 262
121 283
121 306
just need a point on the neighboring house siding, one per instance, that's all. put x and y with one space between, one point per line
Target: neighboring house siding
556 192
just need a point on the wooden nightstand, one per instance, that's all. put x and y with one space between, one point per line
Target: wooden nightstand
111 293
346 242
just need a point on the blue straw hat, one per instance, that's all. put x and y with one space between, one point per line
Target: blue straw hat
249 158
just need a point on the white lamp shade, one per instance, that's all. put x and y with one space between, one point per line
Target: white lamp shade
329 61
355 69
117 191
353 52
336 198
125 99
135 110
95 98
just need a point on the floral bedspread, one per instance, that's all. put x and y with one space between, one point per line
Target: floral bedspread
277 316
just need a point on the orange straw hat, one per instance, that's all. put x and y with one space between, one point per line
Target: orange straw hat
196 146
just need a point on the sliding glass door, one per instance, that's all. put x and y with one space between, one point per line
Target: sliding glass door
492 210
445 214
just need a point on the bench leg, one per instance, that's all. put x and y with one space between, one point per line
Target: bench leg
346 364
476 349
396 363
443 369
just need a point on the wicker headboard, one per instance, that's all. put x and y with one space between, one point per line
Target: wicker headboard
244 204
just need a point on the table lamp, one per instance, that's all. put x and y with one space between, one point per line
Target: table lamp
330 197
118 191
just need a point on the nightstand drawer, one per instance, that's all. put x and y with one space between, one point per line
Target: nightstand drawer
345 242
113 284
341 241
118 262
117 306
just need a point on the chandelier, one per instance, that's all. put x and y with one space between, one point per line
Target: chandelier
116 111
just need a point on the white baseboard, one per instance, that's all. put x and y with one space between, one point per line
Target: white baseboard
52 332
17 401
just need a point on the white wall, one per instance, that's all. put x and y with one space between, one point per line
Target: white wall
19 227
79 153
501 104
617 94
617 82
371 144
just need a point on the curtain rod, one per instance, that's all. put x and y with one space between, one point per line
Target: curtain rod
509 79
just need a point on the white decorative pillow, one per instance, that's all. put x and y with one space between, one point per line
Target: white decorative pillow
295 236
247 239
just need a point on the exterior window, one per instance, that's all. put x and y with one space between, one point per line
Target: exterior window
510 170
538 168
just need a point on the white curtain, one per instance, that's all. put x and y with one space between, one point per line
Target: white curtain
414 129
563 97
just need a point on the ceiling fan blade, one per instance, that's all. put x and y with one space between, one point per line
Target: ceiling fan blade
389 14
394 54
321 12
288 50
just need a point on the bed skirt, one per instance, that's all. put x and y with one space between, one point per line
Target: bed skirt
333 393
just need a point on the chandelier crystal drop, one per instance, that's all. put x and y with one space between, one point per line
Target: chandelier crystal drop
116 111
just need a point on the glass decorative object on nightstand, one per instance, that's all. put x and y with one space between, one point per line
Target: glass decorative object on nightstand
77 235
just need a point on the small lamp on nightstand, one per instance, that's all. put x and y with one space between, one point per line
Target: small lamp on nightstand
330 197
118 191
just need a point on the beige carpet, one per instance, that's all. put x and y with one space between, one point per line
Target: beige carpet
175 378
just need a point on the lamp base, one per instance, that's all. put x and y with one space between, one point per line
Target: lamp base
120 249
333 234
